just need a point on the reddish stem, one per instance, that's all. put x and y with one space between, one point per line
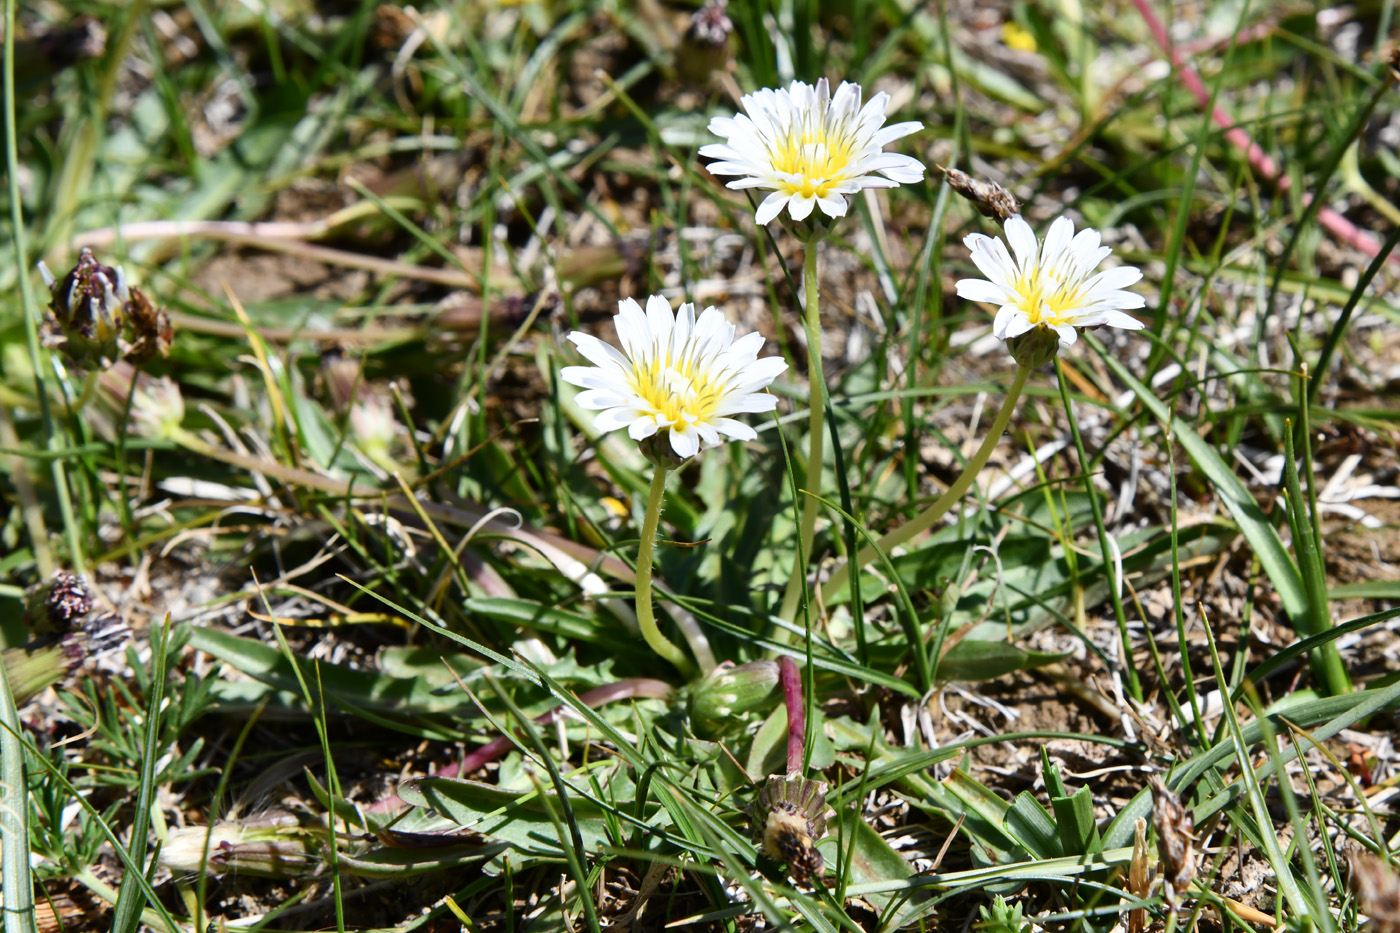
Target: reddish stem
1334 222
791 680
632 688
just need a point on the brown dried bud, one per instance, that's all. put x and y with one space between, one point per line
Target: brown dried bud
1175 840
788 818
1377 890
68 600
990 198
704 51
96 317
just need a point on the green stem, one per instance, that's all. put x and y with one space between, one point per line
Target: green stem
926 519
645 616
1114 585
31 327
14 812
815 437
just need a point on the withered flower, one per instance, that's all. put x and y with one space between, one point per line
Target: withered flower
1175 840
990 198
788 818
96 317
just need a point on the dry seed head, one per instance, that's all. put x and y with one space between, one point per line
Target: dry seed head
788 818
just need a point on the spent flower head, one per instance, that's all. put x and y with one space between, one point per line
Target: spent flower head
811 148
678 379
1048 289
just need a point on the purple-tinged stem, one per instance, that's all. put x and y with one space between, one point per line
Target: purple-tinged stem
1334 222
791 680
633 688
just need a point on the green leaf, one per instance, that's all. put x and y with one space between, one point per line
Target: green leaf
1033 828
519 818
1283 573
869 858
986 660
1074 820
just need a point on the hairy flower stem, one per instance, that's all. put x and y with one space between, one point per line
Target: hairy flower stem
926 519
791 680
646 618
815 440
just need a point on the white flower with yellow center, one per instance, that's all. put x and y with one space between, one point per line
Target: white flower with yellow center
675 374
1052 284
811 148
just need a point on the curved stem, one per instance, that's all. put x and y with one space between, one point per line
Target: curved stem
645 616
815 440
926 519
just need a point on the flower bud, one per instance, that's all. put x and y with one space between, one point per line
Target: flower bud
1035 347
658 450
157 408
730 691
788 818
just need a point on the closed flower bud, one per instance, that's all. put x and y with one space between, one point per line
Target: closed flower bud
731 691
157 408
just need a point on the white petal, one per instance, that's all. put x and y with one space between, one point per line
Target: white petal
771 207
833 207
799 207
1119 319
684 441
1010 322
1022 240
597 352
1068 335
615 418
736 429
980 290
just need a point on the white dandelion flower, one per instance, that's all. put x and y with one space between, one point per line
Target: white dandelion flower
811 148
677 375
1050 285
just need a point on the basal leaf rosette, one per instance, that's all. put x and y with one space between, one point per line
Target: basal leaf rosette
1047 289
678 380
811 148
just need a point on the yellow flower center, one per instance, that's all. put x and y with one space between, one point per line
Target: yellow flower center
1048 300
679 390
817 157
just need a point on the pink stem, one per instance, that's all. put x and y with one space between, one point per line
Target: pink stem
791 680
631 688
1335 223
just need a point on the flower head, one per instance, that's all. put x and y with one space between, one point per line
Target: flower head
677 378
811 148
95 316
1050 286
